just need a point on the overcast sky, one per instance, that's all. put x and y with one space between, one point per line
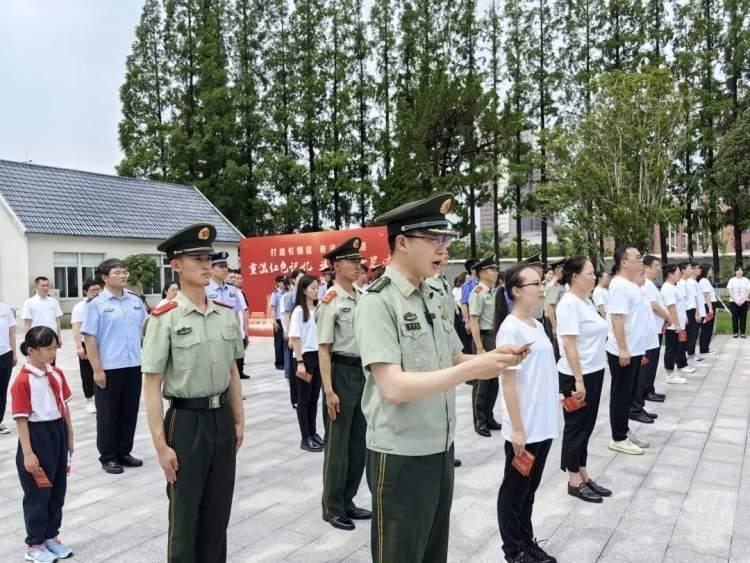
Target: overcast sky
61 67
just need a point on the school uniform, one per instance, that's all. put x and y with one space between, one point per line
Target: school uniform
41 396
537 387
115 323
87 372
307 393
7 322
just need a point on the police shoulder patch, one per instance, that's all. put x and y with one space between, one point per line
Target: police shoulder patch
379 284
168 306
223 304
329 296
478 289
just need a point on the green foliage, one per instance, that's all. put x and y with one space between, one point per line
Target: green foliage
143 271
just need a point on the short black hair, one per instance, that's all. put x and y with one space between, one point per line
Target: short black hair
90 283
106 267
297 272
649 260
739 266
667 270
40 279
39 337
619 255
683 265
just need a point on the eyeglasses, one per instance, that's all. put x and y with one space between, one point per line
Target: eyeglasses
537 284
124 273
439 241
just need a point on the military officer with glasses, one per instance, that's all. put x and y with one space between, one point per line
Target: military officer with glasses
413 361
189 350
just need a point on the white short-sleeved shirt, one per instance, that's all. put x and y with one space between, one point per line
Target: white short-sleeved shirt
600 296
625 298
537 383
79 312
653 295
649 336
698 303
307 332
42 312
706 286
689 292
738 288
672 296
579 318
7 321
39 395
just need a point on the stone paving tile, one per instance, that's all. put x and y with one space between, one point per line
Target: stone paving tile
688 498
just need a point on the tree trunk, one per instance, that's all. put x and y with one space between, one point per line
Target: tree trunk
519 230
663 245
472 216
495 217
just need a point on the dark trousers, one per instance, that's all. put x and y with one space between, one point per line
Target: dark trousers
484 391
308 395
278 345
87 377
692 331
621 394
42 508
674 351
241 361
579 425
739 317
290 371
117 413
645 380
6 368
200 501
345 450
515 501
555 344
654 367
707 332
411 506
466 340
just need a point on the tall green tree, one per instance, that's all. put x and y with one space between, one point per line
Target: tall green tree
382 18
623 37
364 92
143 129
733 178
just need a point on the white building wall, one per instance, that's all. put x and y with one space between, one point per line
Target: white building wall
14 268
41 249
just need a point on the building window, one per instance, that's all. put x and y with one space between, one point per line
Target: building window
164 276
72 269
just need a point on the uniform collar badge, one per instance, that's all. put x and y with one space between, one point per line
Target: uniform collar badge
409 317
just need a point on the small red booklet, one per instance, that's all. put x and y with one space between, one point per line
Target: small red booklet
645 361
571 404
41 479
524 462
682 336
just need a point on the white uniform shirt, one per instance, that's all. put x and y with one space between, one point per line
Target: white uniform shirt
307 332
698 303
79 312
579 318
672 296
625 298
537 383
654 296
706 286
689 292
42 312
600 296
649 337
7 321
738 288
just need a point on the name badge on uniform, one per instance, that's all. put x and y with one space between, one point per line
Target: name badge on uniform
136 307
346 309
413 326
409 317
184 330
108 310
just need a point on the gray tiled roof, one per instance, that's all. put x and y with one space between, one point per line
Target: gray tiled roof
57 201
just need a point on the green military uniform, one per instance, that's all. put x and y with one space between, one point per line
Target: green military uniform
344 462
194 350
409 445
484 392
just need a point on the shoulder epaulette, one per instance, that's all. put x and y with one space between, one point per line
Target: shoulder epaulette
329 296
478 289
132 293
223 304
379 284
168 306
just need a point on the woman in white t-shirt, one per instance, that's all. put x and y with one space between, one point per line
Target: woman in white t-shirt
582 337
7 356
170 291
675 337
739 288
91 289
530 419
303 337
708 293
601 293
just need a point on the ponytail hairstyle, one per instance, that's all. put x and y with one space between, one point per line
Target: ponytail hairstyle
39 337
705 268
105 268
300 299
573 266
504 300
667 270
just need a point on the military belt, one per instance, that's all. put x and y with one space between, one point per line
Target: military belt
200 404
354 361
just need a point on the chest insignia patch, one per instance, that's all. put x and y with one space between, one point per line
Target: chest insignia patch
346 309
413 326
212 296
109 310
184 330
409 317
136 307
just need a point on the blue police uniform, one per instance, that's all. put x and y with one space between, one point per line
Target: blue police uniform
226 294
115 323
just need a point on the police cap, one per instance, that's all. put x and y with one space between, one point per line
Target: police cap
426 214
219 258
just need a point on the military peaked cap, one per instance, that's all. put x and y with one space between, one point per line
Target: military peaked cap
486 264
195 240
426 214
348 250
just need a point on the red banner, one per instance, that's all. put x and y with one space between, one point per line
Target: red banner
262 259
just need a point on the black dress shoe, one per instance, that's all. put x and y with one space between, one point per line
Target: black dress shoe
651 415
457 463
641 417
522 557
598 489
357 513
112 467
494 425
484 431
584 492
340 522
130 461
310 445
541 556
655 397
321 442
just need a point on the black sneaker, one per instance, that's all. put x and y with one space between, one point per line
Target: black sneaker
533 549
736 335
522 557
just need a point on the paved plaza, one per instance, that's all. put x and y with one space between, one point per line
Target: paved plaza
687 499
